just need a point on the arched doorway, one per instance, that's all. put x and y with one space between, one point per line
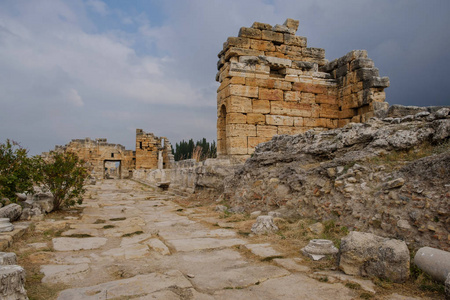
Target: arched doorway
222 131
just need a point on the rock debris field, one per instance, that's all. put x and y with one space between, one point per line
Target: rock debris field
133 243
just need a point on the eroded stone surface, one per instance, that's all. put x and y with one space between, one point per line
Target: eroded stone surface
74 244
263 251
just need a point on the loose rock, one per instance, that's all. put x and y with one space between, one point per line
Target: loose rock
264 224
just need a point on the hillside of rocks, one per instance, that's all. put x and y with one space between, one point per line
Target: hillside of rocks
390 177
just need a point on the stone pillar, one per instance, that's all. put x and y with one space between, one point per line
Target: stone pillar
160 160
12 282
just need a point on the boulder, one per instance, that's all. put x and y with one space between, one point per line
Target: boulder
264 224
11 211
366 254
434 262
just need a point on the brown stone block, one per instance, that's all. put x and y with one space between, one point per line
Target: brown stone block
332 123
350 101
356 119
252 33
254 141
261 106
235 52
256 119
298 121
266 131
237 42
328 113
262 26
275 54
279 120
241 130
236 118
292 96
347 90
270 94
243 91
294 40
309 87
238 104
343 122
315 122
326 99
307 98
357 87
283 85
290 130
346 113
261 45
314 53
269 35
293 109
237 145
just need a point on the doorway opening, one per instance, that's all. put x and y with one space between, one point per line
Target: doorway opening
112 169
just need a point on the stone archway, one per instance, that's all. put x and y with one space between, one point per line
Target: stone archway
222 131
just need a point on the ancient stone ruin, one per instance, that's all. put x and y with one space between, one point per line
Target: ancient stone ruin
106 160
272 83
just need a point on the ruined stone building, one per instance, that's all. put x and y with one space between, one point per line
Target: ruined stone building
106 160
272 83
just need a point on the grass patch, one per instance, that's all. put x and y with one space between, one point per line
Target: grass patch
80 235
353 285
366 295
132 233
118 219
108 226
99 221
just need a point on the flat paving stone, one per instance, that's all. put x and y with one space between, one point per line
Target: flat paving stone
295 286
365 284
263 251
142 285
75 244
203 243
291 265
64 273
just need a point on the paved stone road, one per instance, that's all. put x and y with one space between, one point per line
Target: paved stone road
140 247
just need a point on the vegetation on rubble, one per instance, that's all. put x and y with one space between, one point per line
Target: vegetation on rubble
64 175
199 150
16 170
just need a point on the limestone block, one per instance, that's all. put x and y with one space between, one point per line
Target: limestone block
332 123
309 88
325 99
295 40
270 94
261 45
264 224
346 113
238 104
382 82
314 122
292 96
327 111
256 119
307 98
279 120
290 130
11 211
292 109
366 73
270 35
241 130
243 91
8 258
282 29
434 262
250 33
366 254
261 106
298 121
262 26
270 83
237 42
236 118
237 145
289 50
244 69
291 23
315 53
266 131
12 286
254 141
237 52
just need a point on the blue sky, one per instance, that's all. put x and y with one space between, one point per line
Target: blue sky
91 68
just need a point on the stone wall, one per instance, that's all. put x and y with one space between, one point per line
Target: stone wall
272 83
149 148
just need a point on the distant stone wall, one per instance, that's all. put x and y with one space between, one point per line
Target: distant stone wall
272 83
149 148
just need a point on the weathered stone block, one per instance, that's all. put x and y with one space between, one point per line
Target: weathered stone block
270 94
309 87
261 45
366 254
236 118
292 96
266 131
12 285
298 121
279 120
253 118
262 26
234 130
293 109
314 122
237 145
254 141
238 104
291 23
250 33
236 52
264 224
361 63
270 35
367 73
434 262
315 53
290 130
11 211
261 106
294 40
237 42
308 98
325 99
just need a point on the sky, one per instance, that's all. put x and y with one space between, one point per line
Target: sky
71 69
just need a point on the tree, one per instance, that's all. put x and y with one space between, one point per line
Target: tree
16 170
185 150
63 174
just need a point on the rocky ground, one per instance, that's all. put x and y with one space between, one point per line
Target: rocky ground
130 242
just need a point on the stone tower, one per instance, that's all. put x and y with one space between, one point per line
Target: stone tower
272 83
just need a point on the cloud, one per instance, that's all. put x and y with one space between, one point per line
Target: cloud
98 6
74 98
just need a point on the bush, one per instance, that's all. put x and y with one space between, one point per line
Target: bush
63 174
16 170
